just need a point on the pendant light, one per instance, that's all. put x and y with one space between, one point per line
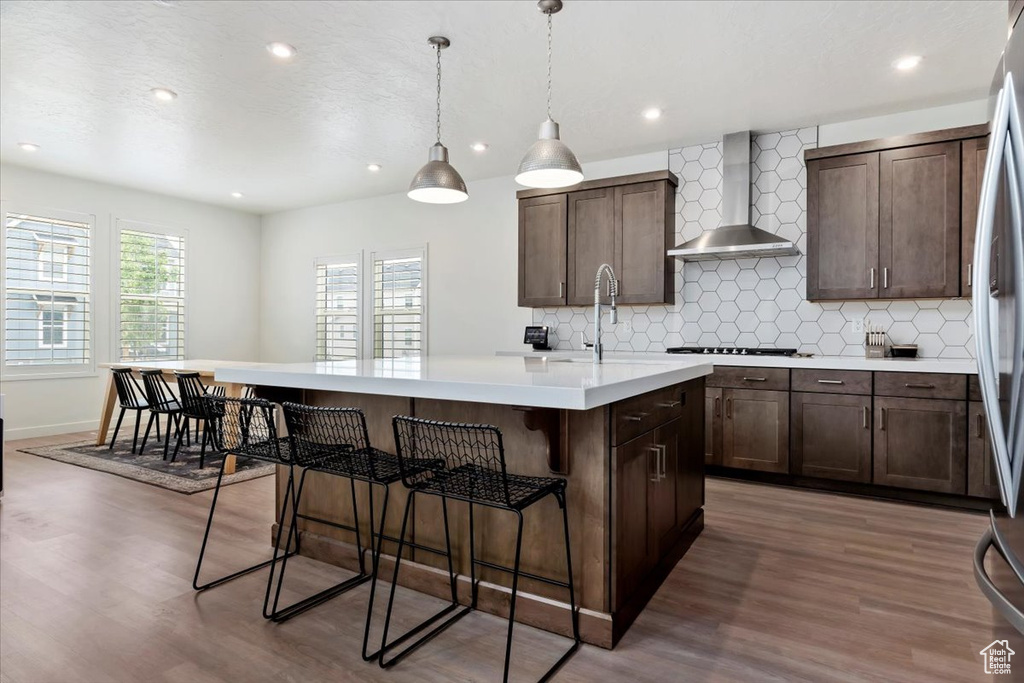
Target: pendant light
548 162
438 182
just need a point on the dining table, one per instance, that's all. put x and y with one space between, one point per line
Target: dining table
205 368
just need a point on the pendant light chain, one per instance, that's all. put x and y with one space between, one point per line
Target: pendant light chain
549 66
438 49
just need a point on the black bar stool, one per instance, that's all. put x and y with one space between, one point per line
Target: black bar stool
245 428
192 391
130 397
470 466
162 401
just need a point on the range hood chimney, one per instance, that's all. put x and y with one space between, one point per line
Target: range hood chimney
736 238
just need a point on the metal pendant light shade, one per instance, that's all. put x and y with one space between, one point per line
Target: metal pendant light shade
549 162
438 182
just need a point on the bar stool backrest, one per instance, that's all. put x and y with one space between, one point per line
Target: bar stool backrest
318 431
192 391
245 427
453 445
129 393
158 392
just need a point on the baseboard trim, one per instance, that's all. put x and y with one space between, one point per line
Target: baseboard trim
15 433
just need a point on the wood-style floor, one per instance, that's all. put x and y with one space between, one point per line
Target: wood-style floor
783 585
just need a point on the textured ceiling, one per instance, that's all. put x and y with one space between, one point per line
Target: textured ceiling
75 79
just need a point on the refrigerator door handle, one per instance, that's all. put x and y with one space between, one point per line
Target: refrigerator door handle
991 591
1017 264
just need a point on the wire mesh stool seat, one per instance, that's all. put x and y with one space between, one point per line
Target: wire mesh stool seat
162 401
335 441
245 428
130 396
468 464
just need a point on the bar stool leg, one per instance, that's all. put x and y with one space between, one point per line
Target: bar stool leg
375 552
515 590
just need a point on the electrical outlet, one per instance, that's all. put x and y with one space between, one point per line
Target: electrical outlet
857 326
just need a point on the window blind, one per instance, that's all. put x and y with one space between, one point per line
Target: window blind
398 310
47 291
151 310
337 309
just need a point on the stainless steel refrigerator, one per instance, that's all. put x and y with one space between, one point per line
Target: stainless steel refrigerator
998 286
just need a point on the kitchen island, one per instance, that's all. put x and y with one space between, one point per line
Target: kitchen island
628 437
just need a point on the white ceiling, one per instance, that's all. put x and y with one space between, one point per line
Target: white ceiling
75 79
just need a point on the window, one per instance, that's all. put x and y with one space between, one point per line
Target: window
337 308
47 287
151 309
398 304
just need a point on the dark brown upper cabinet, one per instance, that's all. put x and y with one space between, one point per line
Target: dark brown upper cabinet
884 216
542 251
626 222
973 153
919 221
842 227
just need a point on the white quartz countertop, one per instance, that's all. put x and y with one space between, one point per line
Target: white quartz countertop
942 365
522 380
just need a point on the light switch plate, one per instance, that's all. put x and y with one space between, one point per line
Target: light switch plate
857 326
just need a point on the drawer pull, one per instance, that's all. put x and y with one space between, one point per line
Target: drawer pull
636 418
669 404
866 411
831 381
911 385
718 406
755 379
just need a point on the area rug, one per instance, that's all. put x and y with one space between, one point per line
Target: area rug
183 475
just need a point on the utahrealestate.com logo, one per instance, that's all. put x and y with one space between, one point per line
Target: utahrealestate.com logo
997 657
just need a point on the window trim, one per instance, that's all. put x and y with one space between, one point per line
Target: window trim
64 260
56 370
356 257
118 223
420 250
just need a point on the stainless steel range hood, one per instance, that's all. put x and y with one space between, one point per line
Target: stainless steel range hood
736 238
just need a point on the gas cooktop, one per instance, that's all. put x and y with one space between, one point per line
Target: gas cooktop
733 350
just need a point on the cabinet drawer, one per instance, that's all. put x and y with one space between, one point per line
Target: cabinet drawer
920 385
639 414
973 388
767 379
832 381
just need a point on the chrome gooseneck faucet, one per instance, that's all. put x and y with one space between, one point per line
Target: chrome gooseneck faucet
613 291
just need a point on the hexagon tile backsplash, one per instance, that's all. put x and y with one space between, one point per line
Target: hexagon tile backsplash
760 302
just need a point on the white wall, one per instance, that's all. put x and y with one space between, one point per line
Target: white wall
222 265
904 123
472 262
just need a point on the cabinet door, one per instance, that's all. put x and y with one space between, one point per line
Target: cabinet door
842 227
713 425
755 431
690 461
919 221
973 153
981 476
635 470
646 275
591 240
542 251
832 436
920 443
662 491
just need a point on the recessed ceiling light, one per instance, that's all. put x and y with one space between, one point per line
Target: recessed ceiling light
652 113
374 167
237 195
281 50
163 94
479 146
907 63
29 146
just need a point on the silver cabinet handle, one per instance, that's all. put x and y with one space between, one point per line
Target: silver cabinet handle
885 278
911 385
755 379
636 418
664 467
981 426
728 408
653 450
881 421
561 289
866 411
872 272
830 381
970 270
718 406
669 404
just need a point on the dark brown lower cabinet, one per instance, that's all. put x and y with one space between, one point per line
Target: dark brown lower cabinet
755 430
831 435
981 476
635 552
921 443
662 487
713 425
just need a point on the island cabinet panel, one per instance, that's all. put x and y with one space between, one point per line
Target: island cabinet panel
592 240
831 436
921 444
713 425
973 153
982 480
919 221
755 430
636 465
542 251
644 231
842 227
